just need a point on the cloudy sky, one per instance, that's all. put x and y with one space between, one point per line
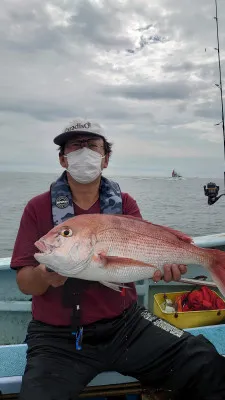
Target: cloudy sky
144 69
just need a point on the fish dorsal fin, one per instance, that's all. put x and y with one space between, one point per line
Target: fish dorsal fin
180 235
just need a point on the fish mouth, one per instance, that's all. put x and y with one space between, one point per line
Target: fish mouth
43 247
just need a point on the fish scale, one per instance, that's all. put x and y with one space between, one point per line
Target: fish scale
139 248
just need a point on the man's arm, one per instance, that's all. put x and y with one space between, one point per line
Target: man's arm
36 280
32 278
30 281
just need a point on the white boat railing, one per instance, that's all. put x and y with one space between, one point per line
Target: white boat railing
5 263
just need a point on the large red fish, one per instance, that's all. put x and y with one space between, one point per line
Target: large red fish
115 249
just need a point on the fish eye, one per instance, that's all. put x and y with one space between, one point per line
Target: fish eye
66 232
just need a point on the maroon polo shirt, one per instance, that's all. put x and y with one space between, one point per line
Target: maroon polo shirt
97 302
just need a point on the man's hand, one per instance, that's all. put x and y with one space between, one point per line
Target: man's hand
52 278
172 272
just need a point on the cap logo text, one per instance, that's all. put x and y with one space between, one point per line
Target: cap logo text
87 125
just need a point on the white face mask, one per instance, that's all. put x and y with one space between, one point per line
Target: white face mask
84 165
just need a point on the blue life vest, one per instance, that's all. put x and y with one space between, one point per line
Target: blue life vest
62 209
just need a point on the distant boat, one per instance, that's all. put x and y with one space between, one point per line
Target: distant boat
175 174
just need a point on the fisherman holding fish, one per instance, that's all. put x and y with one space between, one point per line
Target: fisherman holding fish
79 248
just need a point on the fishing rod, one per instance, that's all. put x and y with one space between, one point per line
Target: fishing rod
211 189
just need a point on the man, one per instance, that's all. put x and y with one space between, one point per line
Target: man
80 328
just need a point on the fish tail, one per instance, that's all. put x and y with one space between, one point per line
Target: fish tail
217 268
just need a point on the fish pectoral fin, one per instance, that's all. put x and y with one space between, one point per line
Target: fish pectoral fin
111 261
114 286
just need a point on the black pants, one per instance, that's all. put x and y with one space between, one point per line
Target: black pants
136 344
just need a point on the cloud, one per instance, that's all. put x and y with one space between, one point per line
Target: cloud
209 110
154 90
147 71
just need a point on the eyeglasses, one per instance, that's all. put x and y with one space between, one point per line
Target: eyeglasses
90 143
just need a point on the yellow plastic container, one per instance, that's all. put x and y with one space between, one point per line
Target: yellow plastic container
187 319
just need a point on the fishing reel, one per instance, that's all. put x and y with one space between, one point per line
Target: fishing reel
212 191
